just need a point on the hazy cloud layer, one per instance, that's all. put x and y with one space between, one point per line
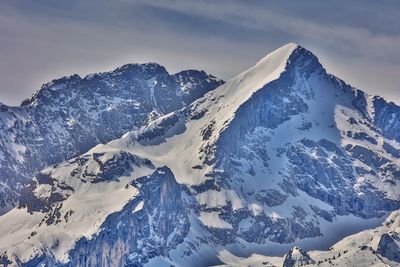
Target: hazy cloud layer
40 40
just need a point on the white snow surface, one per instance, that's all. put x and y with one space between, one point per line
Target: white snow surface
212 219
24 235
355 250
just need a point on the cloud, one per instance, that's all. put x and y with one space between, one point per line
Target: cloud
357 40
47 39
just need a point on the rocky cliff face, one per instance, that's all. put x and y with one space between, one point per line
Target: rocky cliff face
303 136
151 224
297 257
160 220
68 116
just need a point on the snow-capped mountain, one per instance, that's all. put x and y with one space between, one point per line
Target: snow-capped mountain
68 116
282 155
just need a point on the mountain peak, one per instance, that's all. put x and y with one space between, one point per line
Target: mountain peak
291 54
267 69
147 69
278 54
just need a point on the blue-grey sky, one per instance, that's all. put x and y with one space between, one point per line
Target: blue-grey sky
40 40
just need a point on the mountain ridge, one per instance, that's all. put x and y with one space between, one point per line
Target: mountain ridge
308 154
123 68
68 116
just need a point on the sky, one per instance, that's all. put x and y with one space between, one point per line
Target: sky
358 41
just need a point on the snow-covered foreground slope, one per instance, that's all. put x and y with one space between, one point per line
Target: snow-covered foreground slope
70 201
68 116
281 155
376 247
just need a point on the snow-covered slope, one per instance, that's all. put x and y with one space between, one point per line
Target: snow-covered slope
70 201
281 155
376 247
68 116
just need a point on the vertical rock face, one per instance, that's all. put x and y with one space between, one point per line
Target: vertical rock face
387 118
152 224
68 116
195 84
389 246
297 257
